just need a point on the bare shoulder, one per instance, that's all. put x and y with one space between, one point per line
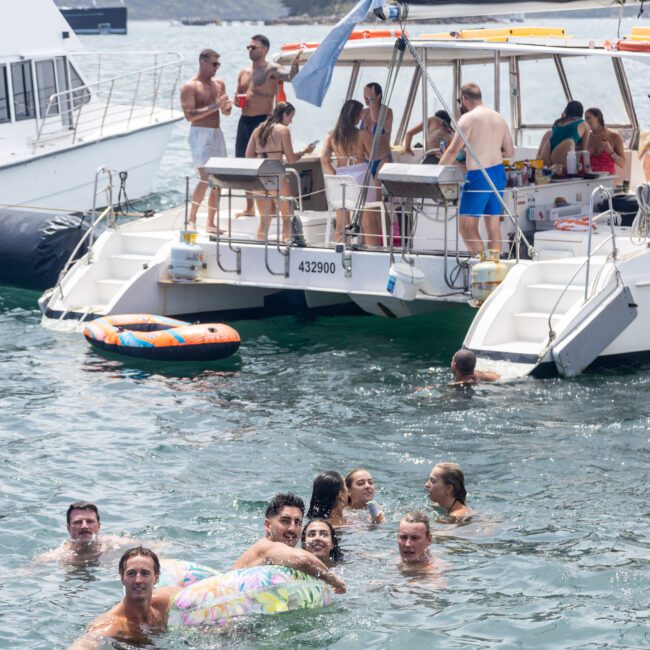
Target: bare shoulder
254 555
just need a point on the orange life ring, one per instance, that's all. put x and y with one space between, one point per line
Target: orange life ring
165 339
628 46
357 34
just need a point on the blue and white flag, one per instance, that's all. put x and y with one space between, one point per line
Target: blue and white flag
313 80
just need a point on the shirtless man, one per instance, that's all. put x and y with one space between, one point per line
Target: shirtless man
282 528
85 545
413 540
141 612
202 98
259 84
489 135
463 365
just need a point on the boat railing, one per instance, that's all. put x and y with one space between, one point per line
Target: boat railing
88 238
109 105
604 193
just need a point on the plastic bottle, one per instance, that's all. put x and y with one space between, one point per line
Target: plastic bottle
571 163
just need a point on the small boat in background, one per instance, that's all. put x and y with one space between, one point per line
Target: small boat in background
96 20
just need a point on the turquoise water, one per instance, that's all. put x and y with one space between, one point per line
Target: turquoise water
186 457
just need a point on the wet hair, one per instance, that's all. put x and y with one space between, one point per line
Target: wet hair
598 114
336 554
471 91
346 130
416 517
444 117
327 486
453 475
282 500
207 54
260 38
139 551
573 109
276 117
349 477
81 505
465 361
376 87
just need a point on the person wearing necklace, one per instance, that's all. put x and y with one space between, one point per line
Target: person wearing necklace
446 488
606 148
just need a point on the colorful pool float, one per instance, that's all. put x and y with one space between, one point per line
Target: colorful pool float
165 339
244 592
181 573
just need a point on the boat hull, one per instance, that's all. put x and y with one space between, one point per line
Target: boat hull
66 176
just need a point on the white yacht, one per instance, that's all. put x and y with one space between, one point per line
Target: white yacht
562 285
57 126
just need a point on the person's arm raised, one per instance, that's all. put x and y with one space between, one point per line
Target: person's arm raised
284 555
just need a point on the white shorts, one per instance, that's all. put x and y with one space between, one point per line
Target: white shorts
206 143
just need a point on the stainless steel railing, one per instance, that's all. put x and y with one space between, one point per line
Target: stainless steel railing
111 105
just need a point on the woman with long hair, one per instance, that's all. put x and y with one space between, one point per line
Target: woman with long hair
606 148
272 139
446 487
569 133
320 538
350 147
329 497
361 491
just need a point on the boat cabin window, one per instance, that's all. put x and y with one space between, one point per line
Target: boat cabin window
483 75
46 84
593 83
540 108
23 87
78 96
4 95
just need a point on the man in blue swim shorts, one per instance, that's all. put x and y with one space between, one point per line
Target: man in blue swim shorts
489 135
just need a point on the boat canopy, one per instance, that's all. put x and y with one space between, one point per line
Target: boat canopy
428 9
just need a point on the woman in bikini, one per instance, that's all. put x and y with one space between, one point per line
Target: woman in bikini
350 146
570 132
272 139
606 148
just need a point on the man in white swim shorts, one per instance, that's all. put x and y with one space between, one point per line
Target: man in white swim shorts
203 98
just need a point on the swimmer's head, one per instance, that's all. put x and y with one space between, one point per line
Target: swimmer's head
320 538
82 520
361 487
464 362
328 492
139 551
450 478
283 518
414 537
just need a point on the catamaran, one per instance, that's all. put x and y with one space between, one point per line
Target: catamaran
569 297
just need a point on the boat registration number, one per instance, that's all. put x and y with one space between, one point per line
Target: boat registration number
317 267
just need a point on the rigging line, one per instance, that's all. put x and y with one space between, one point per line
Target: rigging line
531 251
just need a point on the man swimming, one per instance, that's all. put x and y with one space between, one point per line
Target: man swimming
142 612
413 540
463 365
489 135
85 545
282 528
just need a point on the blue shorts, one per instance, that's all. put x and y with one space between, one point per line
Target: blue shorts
477 198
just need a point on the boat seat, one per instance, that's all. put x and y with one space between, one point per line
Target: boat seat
342 193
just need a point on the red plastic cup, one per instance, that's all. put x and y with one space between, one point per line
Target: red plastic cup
240 101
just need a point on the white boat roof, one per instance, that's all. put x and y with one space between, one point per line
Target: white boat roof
34 28
379 50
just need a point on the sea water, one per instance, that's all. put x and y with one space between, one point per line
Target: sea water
186 456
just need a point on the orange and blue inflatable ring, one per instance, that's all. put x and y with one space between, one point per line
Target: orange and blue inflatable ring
164 339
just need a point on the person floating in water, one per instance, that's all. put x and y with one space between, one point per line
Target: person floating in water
446 488
282 528
85 545
413 541
142 612
463 365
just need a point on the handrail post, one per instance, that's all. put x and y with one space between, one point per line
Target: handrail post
135 95
108 101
